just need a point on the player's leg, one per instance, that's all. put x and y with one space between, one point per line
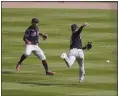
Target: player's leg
70 59
28 51
80 60
39 53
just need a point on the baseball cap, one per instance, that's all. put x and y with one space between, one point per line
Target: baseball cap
35 20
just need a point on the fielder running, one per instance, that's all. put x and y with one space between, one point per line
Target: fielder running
31 38
76 52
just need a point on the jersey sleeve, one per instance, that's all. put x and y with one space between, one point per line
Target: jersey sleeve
26 35
79 30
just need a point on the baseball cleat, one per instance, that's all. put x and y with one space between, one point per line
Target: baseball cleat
81 78
18 67
63 56
50 73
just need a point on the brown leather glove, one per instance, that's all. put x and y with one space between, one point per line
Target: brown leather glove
45 36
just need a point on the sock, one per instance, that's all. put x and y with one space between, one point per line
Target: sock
23 57
45 65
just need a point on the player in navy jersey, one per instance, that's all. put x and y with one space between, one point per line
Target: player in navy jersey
31 38
76 52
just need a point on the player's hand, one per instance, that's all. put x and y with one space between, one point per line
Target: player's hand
27 41
45 36
89 45
85 24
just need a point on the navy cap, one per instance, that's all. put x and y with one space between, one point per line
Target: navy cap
35 20
74 27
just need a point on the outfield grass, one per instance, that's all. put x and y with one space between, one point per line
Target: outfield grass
100 79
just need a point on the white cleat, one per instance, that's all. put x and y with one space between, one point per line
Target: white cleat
63 56
81 78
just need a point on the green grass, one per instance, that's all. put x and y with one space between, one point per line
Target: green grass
100 79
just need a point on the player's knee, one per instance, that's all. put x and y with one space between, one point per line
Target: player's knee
43 58
26 54
81 57
69 66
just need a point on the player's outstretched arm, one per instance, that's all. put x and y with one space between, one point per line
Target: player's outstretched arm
88 46
85 24
81 27
44 36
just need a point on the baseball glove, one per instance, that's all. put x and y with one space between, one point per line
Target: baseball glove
88 46
45 36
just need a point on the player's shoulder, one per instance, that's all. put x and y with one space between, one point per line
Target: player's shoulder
29 28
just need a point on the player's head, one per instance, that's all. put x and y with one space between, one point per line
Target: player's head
74 27
34 21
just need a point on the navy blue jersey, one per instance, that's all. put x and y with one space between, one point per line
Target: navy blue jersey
32 34
75 40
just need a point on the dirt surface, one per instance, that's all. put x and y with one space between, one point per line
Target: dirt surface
71 5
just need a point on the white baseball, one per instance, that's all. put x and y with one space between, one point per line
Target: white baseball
87 24
108 61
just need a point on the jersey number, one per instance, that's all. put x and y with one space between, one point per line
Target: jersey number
33 34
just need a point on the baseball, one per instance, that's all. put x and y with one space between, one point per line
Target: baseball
108 61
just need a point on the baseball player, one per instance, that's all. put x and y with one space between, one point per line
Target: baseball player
76 50
31 38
